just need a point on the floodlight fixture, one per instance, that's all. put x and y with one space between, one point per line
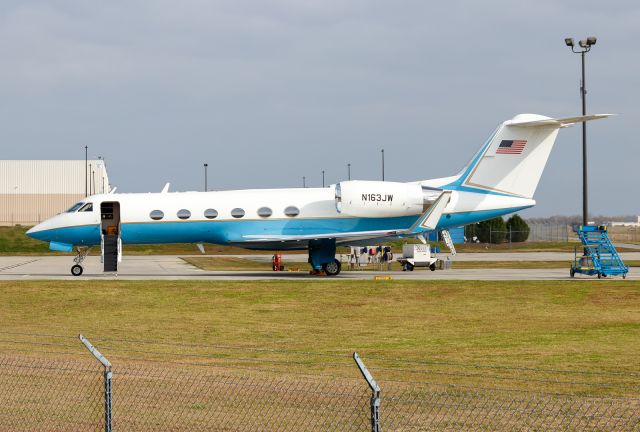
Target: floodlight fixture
569 42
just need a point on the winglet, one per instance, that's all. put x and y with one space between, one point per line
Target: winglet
430 218
165 189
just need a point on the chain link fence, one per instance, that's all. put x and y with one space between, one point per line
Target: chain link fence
40 394
148 387
549 232
434 407
189 398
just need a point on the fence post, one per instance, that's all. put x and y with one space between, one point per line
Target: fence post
108 375
375 393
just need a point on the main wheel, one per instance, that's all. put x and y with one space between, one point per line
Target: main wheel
410 266
432 267
332 268
76 270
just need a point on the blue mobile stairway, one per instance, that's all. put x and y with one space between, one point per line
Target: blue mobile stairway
601 257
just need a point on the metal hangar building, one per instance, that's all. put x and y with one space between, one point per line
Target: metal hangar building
34 190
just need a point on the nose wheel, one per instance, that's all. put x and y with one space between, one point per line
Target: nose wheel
82 252
76 270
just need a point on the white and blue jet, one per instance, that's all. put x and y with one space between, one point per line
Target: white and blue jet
500 179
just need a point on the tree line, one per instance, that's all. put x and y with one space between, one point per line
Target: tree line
496 230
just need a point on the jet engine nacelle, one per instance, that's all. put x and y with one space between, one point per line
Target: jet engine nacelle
381 199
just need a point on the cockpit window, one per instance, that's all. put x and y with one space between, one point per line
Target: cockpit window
75 207
88 207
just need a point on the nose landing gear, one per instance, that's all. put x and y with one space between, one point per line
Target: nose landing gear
76 270
82 252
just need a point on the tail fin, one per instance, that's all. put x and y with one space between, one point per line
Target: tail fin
513 159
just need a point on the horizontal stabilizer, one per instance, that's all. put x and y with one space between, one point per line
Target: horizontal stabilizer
563 122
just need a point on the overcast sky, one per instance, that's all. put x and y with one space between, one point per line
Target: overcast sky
269 91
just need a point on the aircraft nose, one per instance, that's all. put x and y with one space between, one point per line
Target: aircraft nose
38 232
31 232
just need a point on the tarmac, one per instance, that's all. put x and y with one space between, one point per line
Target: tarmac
167 267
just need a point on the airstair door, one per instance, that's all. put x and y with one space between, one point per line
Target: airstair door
111 247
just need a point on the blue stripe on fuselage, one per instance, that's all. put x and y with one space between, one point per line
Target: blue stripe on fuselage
222 232
83 235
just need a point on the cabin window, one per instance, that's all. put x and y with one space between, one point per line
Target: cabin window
88 207
75 207
292 211
156 215
237 213
211 213
264 212
184 214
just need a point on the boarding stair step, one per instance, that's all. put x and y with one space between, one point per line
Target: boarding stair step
598 246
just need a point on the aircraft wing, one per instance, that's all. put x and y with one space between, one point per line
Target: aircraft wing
425 223
352 235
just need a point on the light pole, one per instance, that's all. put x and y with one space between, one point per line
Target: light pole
206 185
101 175
382 164
585 47
86 161
304 181
348 171
322 178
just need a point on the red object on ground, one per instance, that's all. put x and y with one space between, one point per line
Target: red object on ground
276 262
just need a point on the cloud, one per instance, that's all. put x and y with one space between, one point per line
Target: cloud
269 91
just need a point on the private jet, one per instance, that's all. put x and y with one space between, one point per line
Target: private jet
500 179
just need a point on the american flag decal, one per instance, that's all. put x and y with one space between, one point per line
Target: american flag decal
511 147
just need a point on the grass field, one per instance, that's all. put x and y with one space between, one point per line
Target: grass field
275 355
587 325
235 264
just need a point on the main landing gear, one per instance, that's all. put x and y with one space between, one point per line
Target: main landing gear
322 257
82 252
332 268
